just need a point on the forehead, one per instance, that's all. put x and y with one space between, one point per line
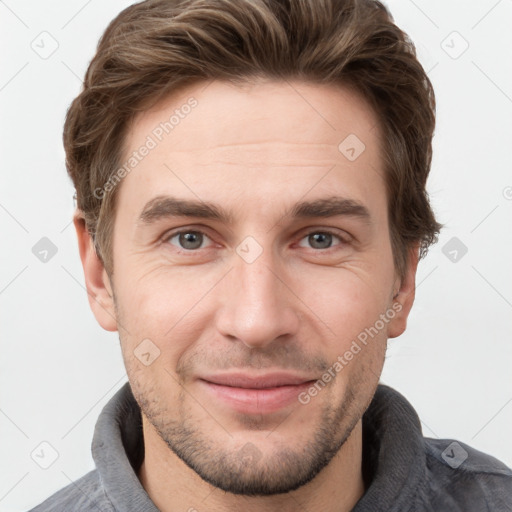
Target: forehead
221 111
253 140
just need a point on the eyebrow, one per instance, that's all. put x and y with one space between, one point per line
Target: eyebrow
162 207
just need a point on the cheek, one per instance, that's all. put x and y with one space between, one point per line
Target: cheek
160 328
166 307
346 299
349 303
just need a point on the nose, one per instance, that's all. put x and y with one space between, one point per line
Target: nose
258 306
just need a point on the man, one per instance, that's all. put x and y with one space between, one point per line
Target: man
250 180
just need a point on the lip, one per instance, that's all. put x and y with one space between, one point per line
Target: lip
256 394
267 380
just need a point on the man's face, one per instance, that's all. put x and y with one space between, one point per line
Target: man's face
279 288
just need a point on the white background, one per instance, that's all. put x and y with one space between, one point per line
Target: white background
58 367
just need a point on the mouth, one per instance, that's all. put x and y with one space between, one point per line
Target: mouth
256 394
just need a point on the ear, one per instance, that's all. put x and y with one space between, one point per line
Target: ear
97 282
403 298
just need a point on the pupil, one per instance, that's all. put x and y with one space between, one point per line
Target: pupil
320 240
190 240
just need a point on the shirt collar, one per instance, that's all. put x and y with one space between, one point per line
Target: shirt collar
118 451
393 454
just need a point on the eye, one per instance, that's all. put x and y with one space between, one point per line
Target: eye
321 239
191 240
188 240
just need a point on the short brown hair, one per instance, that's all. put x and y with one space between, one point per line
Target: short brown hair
153 47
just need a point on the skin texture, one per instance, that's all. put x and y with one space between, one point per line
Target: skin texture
254 150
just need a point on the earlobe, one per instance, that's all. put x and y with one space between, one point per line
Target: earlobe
97 281
403 298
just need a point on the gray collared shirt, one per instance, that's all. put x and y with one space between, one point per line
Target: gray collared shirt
403 471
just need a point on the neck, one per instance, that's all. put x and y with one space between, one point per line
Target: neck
172 485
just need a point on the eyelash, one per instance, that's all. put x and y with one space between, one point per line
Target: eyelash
342 241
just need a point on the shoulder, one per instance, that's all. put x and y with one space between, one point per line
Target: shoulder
463 478
83 494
